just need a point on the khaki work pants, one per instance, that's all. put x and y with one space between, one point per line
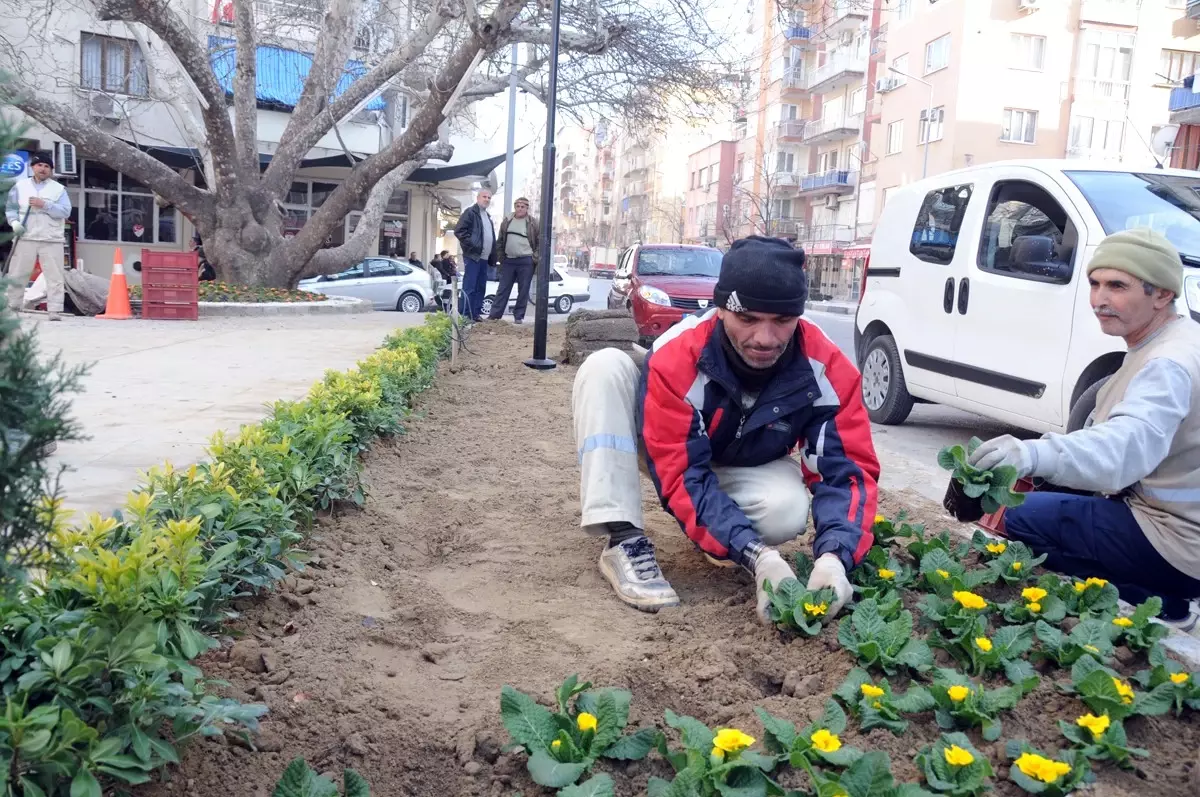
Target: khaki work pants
51 256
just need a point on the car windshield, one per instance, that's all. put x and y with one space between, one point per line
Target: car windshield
1168 203
679 263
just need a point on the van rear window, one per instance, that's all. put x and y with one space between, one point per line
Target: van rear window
935 233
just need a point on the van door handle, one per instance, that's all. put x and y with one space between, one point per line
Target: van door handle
964 295
948 296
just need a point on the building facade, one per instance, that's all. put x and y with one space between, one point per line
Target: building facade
709 198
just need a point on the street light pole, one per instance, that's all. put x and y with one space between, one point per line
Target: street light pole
512 133
541 309
928 117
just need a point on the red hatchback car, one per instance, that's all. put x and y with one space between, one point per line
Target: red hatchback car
661 283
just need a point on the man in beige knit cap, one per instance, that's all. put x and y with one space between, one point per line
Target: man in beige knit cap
1138 455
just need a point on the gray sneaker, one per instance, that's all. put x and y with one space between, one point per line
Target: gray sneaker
633 572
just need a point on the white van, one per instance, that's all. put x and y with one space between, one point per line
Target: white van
975 294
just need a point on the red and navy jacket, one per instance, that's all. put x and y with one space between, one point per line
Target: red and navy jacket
690 417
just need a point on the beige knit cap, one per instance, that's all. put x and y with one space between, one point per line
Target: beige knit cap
1143 253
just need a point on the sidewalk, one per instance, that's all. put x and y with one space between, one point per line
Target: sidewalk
157 390
833 306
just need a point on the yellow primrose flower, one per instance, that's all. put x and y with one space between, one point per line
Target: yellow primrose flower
825 741
1033 594
958 693
942 573
958 757
731 740
1034 607
717 755
886 575
880 519
1040 768
1124 690
1080 587
1016 565
877 704
1092 649
870 690
1123 622
996 548
1097 725
585 722
1096 582
984 644
969 600
1179 678
554 745
816 609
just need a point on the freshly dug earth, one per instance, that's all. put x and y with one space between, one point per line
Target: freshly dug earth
467 570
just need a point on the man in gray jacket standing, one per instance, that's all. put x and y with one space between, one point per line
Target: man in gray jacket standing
477 238
518 245
37 210
1139 453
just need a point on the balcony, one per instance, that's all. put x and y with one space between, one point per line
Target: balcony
1094 154
794 83
790 130
798 35
1184 103
1111 12
635 188
568 159
879 42
870 170
844 15
788 228
828 238
834 181
635 164
823 131
785 180
874 112
842 69
1193 9
1088 88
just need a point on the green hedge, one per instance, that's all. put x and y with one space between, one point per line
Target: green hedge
96 651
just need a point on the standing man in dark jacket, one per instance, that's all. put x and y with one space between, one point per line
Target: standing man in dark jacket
519 241
477 238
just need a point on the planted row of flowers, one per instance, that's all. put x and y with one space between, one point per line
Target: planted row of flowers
997 641
96 651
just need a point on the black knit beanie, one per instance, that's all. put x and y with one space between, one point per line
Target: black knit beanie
43 156
763 275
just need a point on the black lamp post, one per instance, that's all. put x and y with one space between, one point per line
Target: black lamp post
541 307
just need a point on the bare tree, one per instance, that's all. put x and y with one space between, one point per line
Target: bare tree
759 201
625 57
668 213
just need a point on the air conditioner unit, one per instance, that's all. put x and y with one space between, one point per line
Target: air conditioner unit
102 106
885 84
1029 5
831 202
65 162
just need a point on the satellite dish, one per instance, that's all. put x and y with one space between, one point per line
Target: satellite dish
1164 140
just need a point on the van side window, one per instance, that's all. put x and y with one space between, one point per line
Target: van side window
935 234
1027 234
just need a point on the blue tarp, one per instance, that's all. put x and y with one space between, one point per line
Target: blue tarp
281 74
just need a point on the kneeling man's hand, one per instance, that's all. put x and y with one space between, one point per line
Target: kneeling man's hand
769 568
1003 450
828 571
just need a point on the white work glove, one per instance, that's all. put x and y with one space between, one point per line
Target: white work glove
17 227
769 568
829 572
1004 450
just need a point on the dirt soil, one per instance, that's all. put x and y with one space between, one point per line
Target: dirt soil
467 570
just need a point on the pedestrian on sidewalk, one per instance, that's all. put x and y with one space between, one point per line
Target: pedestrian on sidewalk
477 237
712 417
1137 459
519 241
37 209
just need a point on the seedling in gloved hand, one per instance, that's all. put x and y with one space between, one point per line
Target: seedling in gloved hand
953 766
563 745
887 644
1168 675
992 488
877 706
1052 776
1138 631
1091 638
962 703
1101 738
794 607
712 762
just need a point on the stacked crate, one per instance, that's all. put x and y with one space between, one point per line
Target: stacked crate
170 285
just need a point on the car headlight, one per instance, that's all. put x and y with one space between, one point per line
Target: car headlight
1191 292
654 296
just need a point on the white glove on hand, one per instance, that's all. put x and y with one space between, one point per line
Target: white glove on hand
17 227
828 571
770 568
1004 450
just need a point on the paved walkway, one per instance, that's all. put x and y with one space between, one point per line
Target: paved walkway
157 390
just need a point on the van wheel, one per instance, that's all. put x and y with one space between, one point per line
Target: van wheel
883 389
1083 406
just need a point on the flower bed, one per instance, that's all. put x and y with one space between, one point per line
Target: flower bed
226 292
97 658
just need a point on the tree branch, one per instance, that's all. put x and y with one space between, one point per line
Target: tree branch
493 86
245 87
329 60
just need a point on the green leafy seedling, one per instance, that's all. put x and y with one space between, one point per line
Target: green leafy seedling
1166 674
299 780
1052 776
1093 597
1101 739
817 744
794 608
869 776
921 545
1139 631
995 653
954 767
877 705
880 574
1091 638
887 644
887 532
1016 564
992 487
958 619
1105 692
703 768
943 574
962 703
1039 602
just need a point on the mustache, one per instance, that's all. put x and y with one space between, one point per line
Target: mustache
1106 312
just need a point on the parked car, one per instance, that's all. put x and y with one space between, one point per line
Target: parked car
565 292
661 283
976 295
388 283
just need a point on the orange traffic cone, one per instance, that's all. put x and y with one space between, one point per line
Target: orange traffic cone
118 308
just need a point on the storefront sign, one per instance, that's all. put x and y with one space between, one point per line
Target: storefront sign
14 165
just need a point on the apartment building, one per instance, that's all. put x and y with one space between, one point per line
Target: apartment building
708 218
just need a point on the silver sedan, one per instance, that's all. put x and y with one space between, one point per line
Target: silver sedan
389 284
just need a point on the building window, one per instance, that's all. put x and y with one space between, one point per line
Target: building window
904 10
900 64
931 132
935 234
112 65
1097 135
118 208
785 161
1105 63
827 161
1178 64
895 139
937 54
1019 126
1029 52
858 101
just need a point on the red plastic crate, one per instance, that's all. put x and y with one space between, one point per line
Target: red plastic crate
170 269
159 311
174 294
992 522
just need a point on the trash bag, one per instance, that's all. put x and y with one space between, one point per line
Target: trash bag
88 292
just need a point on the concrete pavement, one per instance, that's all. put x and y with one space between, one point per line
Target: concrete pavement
157 390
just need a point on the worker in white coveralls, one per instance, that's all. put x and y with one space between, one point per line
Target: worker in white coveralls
720 404
37 209
1138 458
